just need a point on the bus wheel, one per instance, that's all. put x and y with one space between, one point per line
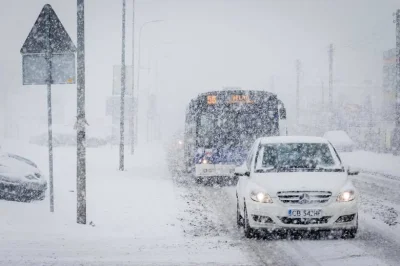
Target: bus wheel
199 180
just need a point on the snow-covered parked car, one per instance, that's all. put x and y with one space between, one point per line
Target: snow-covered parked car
340 140
20 178
295 183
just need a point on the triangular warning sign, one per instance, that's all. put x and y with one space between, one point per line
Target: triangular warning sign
48 27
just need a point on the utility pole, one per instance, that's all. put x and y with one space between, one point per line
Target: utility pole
298 69
398 70
330 52
81 119
139 71
132 117
123 69
396 133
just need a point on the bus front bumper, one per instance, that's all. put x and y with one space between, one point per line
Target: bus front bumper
211 170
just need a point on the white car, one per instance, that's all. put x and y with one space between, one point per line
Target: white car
340 140
295 183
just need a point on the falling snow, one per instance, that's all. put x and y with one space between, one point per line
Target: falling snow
252 132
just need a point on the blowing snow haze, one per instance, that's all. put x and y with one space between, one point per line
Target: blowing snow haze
263 132
202 45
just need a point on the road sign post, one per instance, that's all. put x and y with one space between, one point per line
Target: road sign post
49 112
46 41
81 117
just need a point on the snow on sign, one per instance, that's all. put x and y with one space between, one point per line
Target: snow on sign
34 69
48 57
48 44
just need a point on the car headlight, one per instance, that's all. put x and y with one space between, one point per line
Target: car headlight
346 196
260 197
204 161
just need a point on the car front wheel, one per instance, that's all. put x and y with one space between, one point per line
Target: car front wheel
239 218
248 231
350 233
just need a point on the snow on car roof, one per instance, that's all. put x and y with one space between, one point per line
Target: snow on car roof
292 139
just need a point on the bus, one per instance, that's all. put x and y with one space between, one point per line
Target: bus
220 127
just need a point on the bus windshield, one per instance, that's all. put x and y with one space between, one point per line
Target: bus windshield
231 129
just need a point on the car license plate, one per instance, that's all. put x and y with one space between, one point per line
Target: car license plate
304 213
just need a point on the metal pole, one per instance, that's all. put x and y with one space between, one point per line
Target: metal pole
81 116
396 133
331 77
138 80
398 72
298 66
123 69
132 117
138 86
49 111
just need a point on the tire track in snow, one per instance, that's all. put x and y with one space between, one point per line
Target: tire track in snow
266 252
369 248
218 223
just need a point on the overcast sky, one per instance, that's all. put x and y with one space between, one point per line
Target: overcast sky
204 45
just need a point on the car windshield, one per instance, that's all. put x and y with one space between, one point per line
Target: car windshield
297 157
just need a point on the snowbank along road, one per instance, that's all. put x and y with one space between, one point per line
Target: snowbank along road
143 216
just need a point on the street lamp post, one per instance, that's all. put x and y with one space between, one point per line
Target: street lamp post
152 123
132 117
122 106
139 68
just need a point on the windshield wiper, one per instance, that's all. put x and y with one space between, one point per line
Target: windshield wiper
323 169
266 170
308 169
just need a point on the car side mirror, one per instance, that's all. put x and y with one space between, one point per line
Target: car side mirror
242 171
352 172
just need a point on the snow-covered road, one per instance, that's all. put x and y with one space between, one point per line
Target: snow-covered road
137 217
376 244
142 216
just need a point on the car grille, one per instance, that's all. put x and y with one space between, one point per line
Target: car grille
304 197
322 220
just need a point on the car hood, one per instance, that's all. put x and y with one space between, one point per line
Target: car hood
300 181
